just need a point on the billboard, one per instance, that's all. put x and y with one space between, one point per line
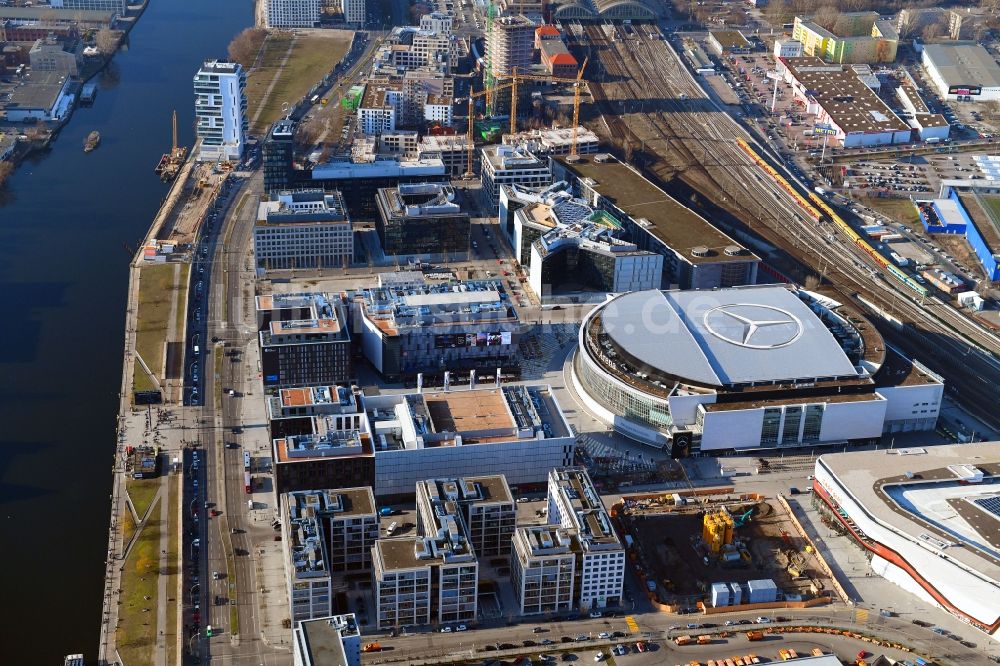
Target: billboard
820 130
482 339
965 90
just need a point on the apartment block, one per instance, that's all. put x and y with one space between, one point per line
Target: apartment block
292 13
573 503
543 568
304 340
220 111
440 22
303 229
354 11
510 45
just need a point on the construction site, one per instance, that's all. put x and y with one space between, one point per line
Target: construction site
684 545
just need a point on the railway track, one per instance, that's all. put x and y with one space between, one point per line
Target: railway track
650 100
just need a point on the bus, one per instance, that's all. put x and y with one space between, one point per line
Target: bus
246 461
247 482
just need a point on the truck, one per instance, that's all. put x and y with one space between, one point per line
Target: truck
933 139
372 647
755 635
682 640
820 191
704 639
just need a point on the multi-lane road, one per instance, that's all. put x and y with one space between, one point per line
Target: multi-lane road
648 96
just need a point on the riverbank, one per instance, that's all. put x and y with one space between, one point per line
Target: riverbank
30 146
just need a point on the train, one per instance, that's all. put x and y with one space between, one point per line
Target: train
818 209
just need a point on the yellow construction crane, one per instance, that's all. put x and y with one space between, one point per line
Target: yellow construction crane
470 148
577 88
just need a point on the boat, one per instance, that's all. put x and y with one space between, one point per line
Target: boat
93 139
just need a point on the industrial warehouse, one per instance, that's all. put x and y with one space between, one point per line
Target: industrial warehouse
927 516
746 368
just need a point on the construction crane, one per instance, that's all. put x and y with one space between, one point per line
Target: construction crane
577 87
470 148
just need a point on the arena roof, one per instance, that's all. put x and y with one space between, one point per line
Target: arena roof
726 336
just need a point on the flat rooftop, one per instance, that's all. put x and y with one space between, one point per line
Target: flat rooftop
40 91
674 224
322 639
913 491
851 104
340 502
330 444
981 218
730 39
964 64
473 410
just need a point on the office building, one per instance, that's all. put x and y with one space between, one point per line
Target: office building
787 48
543 568
344 521
303 229
728 42
354 11
691 370
433 328
304 340
453 151
359 182
861 37
517 431
484 503
441 23
277 154
573 504
511 165
510 45
118 7
963 71
336 452
327 641
292 13
924 516
696 254
292 411
422 221
220 111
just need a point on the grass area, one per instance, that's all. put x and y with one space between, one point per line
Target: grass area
142 491
182 300
312 56
128 527
901 210
156 291
136 632
993 203
173 545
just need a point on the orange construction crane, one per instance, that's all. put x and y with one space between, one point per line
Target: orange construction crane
470 148
577 88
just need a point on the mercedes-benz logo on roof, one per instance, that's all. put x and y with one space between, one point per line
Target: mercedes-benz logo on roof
753 326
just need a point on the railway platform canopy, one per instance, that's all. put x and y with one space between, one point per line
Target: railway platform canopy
606 10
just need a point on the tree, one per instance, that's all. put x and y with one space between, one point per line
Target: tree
107 41
6 169
245 46
932 31
827 17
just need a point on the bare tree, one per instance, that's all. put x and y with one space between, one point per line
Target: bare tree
244 47
107 41
932 31
308 133
6 169
827 17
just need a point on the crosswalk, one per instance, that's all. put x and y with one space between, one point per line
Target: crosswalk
860 615
633 626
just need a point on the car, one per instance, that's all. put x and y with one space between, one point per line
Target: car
529 643
640 646
445 630
461 627
569 656
600 656
745 622
605 635
566 639
730 623
547 642
763 620
595 614
583 637
694 625
620 650
537 630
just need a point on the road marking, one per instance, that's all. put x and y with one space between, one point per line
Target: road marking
632 625
861 615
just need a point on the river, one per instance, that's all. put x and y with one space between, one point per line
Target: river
65 219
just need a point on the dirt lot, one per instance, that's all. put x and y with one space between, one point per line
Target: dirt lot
671 547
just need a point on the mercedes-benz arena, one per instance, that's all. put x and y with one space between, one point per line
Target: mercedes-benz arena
928 517
746 368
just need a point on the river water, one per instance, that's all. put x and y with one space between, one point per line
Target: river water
65 218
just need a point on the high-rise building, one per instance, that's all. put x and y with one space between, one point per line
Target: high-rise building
279 149
354 11
305 229
511 44
292 13
221 110
510 165
600 568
